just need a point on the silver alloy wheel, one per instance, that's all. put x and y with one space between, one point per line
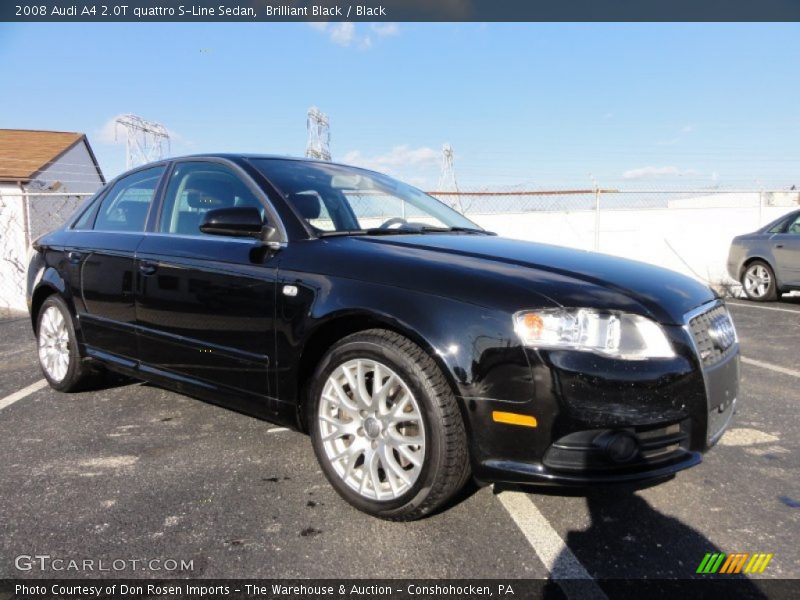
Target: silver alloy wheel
54 344
371 429
757 281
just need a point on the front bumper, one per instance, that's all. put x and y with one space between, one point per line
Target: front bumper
672 411
527 473
583 458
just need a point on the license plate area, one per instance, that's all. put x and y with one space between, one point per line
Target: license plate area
722 391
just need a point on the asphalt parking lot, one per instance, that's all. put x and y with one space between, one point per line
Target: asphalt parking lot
135 472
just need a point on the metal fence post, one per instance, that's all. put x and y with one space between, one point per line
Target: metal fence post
26 219
596 218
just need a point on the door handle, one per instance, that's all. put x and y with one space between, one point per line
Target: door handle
147 268
74 257
779 245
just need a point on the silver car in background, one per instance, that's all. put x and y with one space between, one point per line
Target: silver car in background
767 261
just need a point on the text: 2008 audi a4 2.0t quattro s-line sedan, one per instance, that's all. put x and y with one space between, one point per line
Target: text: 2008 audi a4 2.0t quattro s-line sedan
417 349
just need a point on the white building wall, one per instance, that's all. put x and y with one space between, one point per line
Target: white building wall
13 249
24 218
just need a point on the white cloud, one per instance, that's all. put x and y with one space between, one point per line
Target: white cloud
687 128
385 29
398 157
343 33
110 132
651 172
347 34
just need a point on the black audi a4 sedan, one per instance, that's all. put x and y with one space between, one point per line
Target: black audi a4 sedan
415 348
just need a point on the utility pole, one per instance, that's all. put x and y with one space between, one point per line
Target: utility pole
447 178
319 135
145 140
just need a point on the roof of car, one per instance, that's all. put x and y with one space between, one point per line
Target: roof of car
251 156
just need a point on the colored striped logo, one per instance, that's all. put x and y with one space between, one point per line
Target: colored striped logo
738 562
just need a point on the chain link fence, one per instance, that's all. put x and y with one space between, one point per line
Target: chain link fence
23 218
516 200
686 230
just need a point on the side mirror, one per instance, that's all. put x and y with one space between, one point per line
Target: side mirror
238 221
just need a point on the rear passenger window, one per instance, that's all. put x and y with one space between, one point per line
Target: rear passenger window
197 187
125 206
87 213
794 226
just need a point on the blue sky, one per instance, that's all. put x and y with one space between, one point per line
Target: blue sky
539 105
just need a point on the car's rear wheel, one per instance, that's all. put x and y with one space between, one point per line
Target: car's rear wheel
758 282
386 427
57 345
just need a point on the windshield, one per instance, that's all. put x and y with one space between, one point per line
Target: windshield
334 199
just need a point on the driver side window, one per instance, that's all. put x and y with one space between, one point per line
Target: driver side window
195 188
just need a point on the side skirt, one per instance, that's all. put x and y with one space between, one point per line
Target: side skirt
262 407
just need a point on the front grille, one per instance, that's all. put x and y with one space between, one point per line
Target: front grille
713 334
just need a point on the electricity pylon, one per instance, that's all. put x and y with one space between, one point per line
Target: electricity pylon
145 140
319 135
447 178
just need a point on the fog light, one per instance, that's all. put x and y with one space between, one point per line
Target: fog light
621 447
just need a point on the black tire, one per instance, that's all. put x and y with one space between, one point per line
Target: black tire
78 374
445 468
771 293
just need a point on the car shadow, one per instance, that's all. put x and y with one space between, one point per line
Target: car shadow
464 494
107 380
632 549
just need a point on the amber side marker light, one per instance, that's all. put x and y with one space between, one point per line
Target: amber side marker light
513 419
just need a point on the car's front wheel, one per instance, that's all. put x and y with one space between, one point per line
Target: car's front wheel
758 282
386 427
57 345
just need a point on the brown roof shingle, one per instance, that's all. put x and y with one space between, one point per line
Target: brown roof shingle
24 153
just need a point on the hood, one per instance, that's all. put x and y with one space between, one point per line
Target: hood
565 276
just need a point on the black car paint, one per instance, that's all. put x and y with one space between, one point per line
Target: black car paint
206 315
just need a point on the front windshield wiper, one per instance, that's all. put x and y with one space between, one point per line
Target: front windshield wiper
404 231
370 231
456 229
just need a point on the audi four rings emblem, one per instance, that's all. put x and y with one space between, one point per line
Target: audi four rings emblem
721 332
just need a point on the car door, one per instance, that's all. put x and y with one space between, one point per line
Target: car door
103 257
786 249
205 304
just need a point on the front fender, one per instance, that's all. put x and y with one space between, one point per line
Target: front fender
475 346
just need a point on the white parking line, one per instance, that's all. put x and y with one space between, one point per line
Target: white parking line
20 394
558 559
775 308
770 366
277 430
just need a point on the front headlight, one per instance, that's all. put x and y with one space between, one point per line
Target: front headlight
610 333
